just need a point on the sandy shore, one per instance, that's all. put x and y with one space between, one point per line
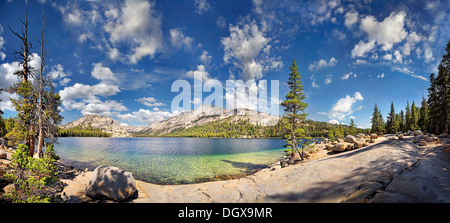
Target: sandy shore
381 172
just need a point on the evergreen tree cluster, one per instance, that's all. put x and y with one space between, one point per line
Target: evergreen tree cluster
79 132
415 118
433 115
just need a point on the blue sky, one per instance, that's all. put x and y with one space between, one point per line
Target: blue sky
120 58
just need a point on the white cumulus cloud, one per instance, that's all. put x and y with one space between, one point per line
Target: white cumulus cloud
242 48
343 107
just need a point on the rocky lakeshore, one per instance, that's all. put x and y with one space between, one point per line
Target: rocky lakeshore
390 169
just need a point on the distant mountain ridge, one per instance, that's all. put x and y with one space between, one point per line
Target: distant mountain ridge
106 124
206 114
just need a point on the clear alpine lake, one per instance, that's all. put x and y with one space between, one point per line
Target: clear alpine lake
172 160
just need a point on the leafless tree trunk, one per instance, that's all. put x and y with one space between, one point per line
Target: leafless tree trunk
40 82
24 56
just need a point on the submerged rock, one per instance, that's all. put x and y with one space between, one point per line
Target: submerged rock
108 182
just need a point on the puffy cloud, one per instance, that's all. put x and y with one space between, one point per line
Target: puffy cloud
361 48
322 64
201 6
7 78
2 42
83 91
200 72
57 73
386 33
178 39
334 122
147 116
205 58
86 98
102 107
242 48
343 107
348 75
139 24
313 84
149 101
351 18
398 57
102 73
131 26
387 56
412 39
338 34
428 53
328 79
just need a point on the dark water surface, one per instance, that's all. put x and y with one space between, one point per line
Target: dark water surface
172 160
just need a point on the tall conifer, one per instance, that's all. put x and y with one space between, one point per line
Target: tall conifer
294 108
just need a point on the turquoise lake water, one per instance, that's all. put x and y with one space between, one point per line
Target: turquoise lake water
172 160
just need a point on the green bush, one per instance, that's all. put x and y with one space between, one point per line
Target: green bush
33 178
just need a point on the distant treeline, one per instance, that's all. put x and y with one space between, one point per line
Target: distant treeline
243 128
78 132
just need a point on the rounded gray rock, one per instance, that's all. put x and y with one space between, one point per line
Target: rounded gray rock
113 183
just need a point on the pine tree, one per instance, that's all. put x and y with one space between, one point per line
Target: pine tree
377 121
414 117
390 121
407 116
402 122
423 120
294 108
352 130
439 96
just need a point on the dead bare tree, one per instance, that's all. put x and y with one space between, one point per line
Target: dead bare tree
48 101
25 104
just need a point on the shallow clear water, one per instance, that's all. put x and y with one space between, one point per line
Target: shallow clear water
172 160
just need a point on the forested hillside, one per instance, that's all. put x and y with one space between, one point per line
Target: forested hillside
228 128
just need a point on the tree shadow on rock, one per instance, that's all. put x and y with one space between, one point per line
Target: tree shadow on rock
248 167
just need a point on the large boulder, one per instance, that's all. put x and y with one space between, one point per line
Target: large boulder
443 135
417 133
113 183
359 143
431 139
350 139
400 136
373 136
3 154
422 143
340 147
